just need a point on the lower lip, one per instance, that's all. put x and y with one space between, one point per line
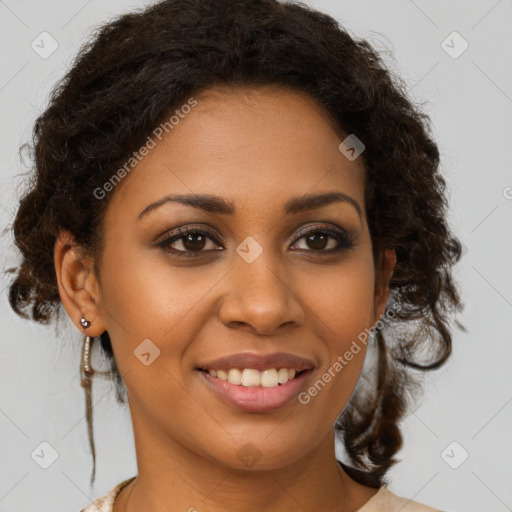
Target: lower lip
257 399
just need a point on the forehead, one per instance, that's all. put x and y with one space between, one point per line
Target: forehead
257 147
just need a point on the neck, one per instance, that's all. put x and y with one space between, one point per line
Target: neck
173 477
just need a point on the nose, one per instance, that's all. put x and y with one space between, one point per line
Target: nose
259 298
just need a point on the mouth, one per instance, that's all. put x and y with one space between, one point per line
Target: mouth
252 377
253 390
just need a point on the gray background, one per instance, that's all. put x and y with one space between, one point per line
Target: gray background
468 402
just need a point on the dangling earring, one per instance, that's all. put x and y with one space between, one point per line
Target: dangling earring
85 367
86 374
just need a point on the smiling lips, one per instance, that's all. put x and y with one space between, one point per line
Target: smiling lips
257 382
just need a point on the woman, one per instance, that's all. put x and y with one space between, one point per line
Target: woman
239 201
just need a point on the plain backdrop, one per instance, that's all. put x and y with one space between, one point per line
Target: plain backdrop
458 448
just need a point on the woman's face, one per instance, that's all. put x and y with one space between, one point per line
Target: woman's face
251 282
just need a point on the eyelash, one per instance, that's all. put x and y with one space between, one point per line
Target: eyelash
345 241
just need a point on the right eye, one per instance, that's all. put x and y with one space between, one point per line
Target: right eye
192 239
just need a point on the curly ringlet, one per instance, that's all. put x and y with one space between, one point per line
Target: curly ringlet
140 66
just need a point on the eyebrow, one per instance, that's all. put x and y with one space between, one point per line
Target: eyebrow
216 204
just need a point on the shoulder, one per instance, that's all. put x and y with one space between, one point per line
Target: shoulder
105 503
387 501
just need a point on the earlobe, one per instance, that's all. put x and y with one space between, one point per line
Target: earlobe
386 270
77 283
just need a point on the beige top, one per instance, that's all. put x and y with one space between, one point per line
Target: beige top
383 501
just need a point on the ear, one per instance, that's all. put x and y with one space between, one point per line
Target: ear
78 286
383 276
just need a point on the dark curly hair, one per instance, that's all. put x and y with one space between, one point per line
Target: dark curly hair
140 66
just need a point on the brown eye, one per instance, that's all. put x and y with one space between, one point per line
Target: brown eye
317 241
189 241
193 241
326 240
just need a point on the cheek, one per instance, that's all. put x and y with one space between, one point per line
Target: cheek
341 297
342 301
144 298
147 295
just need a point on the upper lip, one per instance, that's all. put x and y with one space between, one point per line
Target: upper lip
259 361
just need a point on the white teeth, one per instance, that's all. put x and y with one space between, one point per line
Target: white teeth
283 375
269 378
249 377
235 376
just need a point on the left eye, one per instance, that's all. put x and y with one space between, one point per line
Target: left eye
319 239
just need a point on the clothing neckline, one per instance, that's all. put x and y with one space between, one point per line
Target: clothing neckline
118 489
381 490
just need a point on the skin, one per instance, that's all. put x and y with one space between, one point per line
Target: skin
257 147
